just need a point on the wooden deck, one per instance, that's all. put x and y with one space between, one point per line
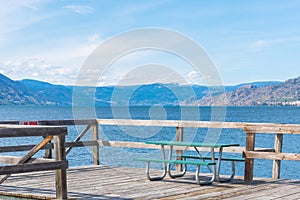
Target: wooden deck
104 182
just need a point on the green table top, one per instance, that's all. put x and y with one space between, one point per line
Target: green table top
190 144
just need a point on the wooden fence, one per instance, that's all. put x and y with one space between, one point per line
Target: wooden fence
250 152
27 163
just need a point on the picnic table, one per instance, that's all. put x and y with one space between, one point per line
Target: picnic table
183 159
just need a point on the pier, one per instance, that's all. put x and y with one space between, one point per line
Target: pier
104 182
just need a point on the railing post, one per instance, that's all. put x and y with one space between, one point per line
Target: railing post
249 162
60 174
95 137
179 138
278 149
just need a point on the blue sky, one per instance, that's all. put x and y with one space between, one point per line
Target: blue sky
248 41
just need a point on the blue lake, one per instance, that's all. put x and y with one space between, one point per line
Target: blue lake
123 157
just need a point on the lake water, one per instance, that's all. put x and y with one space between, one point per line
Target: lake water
123 157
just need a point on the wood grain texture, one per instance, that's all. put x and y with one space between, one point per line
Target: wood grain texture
25 130
272 155
278 149
60 174
105 182
249 162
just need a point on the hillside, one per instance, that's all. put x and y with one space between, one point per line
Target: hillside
49 94
15 93
32 92
286 93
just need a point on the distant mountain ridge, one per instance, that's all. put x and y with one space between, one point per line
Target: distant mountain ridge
49 94
286 93
15 93
32 92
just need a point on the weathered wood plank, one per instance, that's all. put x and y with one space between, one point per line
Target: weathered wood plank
277 163
149 146
104 182
272 155
123 145
95 137
179 138
60 174
251 127
249 162
31 167
15 159
9 122
277 190
25 130
274 128
68 122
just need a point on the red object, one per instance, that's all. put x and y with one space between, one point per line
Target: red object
31 123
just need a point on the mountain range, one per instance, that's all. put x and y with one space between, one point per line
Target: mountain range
33 92
286 93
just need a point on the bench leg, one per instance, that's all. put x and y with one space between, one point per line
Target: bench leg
197 176
223 180
156 178
176 175
169 166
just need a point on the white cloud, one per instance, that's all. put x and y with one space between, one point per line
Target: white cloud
81 9
137 7
58 65
194 77
62 54
93 38
259 45
37 69
15 15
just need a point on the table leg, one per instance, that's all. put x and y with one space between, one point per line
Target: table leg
219 168
169 166
170 158
214 167
219 164
198 169
164 157
197 175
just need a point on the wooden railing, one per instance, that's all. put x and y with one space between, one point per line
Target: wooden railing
250 152
29 164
